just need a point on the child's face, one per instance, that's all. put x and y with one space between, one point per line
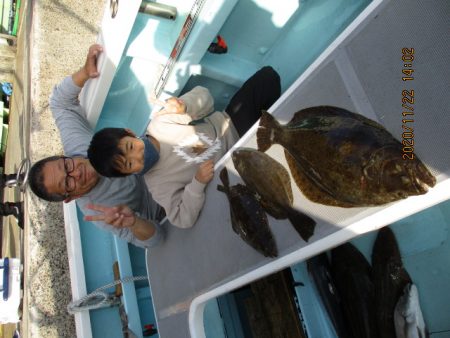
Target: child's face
133 159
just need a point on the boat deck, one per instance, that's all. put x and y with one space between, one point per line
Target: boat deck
362 72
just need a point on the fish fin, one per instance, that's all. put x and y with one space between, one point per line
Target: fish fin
274 210
302 223
264 136
224 178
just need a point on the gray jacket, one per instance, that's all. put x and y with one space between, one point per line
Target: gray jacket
76 134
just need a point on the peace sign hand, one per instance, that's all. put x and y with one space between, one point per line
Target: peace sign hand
120 216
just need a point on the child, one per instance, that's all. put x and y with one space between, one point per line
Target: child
177 156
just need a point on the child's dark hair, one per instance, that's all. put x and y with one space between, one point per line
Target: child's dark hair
104 151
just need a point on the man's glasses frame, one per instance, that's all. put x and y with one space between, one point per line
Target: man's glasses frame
69 167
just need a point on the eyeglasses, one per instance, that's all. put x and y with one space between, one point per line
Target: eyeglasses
70 183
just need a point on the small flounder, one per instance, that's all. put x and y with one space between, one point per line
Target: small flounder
270 180
344 159
319 271
352 274
248 218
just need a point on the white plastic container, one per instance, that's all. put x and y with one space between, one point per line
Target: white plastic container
10 291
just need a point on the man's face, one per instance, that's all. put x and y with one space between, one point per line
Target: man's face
83 177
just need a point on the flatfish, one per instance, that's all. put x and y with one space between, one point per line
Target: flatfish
352 274
248 218
390 279
344 159
265 176
319 270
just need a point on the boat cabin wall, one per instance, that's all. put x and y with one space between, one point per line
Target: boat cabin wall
288 37
146 53
257 32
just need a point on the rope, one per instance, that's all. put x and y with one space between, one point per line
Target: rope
98 298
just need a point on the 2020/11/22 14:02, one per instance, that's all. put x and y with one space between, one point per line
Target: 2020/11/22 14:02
407 105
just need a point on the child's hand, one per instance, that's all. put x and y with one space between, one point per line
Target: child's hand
205 172
173 105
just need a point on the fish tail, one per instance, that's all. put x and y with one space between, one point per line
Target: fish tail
264 135
302 223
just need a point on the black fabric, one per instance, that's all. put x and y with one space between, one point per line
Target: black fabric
11 208
161 214
10 178
258 93
14 209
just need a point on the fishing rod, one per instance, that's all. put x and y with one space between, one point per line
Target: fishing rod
176 50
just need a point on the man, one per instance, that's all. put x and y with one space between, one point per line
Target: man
124 206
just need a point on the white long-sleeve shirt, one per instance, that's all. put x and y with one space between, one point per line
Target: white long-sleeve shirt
183 147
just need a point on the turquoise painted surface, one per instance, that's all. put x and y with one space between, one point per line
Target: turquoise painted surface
254 36
309 33
213 324
98 256
424 244
145 304
313 314
126 105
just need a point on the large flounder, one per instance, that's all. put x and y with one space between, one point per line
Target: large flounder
248 217
344 159
265 176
